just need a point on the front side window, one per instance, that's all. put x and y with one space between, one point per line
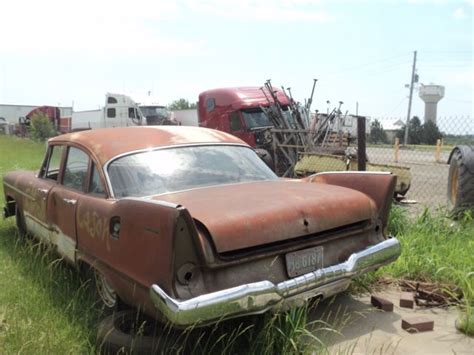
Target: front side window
51 170
131 112
176 169
256 119
77 165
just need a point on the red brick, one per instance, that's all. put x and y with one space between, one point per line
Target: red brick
417 324
381 303
407 300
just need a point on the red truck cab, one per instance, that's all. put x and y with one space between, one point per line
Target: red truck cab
237 111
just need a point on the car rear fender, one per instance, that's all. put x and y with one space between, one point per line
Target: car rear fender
379 186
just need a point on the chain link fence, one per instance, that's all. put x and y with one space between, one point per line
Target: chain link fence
426 154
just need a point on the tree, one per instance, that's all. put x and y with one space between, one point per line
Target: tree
414 131
377 133
41 127
430 133
181 104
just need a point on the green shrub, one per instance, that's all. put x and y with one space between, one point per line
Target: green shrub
41 127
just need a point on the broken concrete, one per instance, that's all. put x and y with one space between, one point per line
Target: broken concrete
407 300
417 324
366 330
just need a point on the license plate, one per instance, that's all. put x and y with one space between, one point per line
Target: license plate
304 261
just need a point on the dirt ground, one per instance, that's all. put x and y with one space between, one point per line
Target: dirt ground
366 330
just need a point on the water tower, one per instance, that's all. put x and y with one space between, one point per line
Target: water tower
431 94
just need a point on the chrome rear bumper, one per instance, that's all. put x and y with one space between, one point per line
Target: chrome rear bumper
258 297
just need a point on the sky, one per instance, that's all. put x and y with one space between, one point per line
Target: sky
59 52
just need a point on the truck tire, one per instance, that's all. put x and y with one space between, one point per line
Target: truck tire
128 332
461 179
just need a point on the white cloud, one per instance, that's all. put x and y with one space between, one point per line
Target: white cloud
107 27
262 10
459 14
90 27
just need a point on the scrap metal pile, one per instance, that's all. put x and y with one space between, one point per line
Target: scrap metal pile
296 130
302 143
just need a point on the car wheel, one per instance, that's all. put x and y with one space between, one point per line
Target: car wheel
20 223
129 332
460 183
106 292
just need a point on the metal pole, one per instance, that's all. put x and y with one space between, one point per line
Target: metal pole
361 151
405 141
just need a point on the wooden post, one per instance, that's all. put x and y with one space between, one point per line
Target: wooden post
361 147
397 150
438 151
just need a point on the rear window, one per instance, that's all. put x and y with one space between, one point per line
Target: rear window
181 168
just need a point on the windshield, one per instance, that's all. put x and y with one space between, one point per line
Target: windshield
256 118
154 111
181 168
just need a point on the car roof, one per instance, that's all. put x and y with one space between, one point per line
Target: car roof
107 143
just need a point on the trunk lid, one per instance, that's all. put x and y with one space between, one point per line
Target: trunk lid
241 216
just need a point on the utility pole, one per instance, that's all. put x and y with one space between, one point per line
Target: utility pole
405 141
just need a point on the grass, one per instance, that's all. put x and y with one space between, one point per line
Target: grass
45 307
439 250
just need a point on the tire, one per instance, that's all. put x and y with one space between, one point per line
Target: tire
20 224
106 293
460 181
128 332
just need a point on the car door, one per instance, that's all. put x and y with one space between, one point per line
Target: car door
35 209
63 200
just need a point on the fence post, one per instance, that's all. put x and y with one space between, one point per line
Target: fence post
397 150
361 147
438 151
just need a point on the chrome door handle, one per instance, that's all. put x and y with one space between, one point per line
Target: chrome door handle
44 191
69 201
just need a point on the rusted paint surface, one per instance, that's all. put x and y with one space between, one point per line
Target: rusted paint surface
197 228
108 143
379 187
246 215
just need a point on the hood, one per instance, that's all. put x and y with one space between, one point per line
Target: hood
245 215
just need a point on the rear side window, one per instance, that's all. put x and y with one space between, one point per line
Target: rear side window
96 187
210 105
77 165
111 113
235 124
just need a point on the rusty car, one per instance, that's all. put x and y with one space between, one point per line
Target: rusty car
191 226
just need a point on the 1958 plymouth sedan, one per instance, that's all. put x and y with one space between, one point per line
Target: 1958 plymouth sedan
191 226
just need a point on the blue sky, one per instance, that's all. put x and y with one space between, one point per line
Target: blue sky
56 52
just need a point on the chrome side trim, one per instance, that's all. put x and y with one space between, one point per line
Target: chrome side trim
19 191
258 297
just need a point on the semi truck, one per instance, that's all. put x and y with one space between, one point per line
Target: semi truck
119 111
238 110
122 111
